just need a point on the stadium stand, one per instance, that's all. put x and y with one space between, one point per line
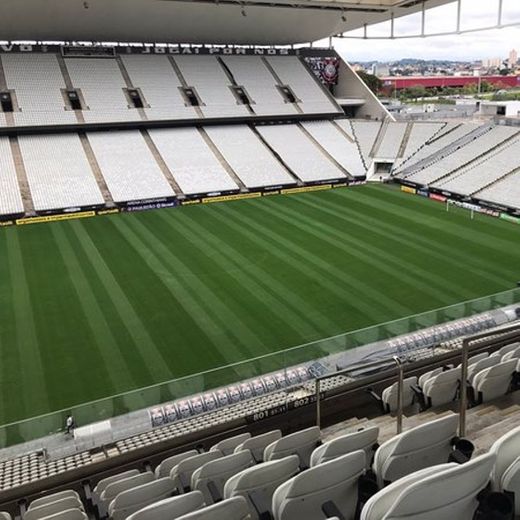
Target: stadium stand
213 87
195 167
252 74
505 192
128 166
337 145
58 172
159 85
299 153
248 156
40 89
391 140
420 134
10 197
366 134
102 87
310 95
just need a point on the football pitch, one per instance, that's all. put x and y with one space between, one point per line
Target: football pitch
90 308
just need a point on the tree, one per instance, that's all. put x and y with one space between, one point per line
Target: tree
371 81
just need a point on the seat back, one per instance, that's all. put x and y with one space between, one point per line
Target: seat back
336 481
423 446
52 498
361 440
132 500
477 367
258 483
512 354
103 483
113 489
69 514
165 467
301 443
4 515
51 508
511 483
442 388
235 508
508 348
182 472
227 446
390 394
506 450
428 375
211 478
257 444
495 381
443 491
170 508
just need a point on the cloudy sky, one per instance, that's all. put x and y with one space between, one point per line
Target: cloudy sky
479 45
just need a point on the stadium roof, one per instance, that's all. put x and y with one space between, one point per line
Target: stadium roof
262 22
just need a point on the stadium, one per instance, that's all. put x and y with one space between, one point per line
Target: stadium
234 287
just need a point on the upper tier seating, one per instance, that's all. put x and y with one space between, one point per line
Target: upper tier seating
333 484
208 77
228 446
181 473
311 97
128 166
250 159
257 444
103 483
344 151
390 394
425 445
159 86
51 508
69 514
441 388
299 153
494 381
49 499
195 167
165 467
443 491
258 483
39 86
235 508
252 73
364 440
58 172
10 197
301 443
170 508
102 86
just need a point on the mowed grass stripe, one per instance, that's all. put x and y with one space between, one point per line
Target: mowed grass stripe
115 368
209 318
150 355
31 394
362 300
262 288
376 222
386 254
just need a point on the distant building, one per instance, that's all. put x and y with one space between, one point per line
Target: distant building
492 63
500 108
513 59
499 82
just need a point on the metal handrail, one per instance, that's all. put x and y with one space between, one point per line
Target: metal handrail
400 390
506 335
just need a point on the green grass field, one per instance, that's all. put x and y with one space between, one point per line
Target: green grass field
90 308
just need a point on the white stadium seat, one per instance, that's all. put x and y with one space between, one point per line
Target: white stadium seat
181 473
170 508
428 375
68 514
235 508
103 483
446 491
389 395
68 493
134 499
301 443
258 483
495 381
5 516
513 354
227 446
425 445
364 440
442 388
212 476
112 490
332 483
506 349
257 444
165 467
51 508
477 367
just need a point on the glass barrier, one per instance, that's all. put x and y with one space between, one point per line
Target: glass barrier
137 400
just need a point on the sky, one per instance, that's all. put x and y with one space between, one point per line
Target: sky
466 47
